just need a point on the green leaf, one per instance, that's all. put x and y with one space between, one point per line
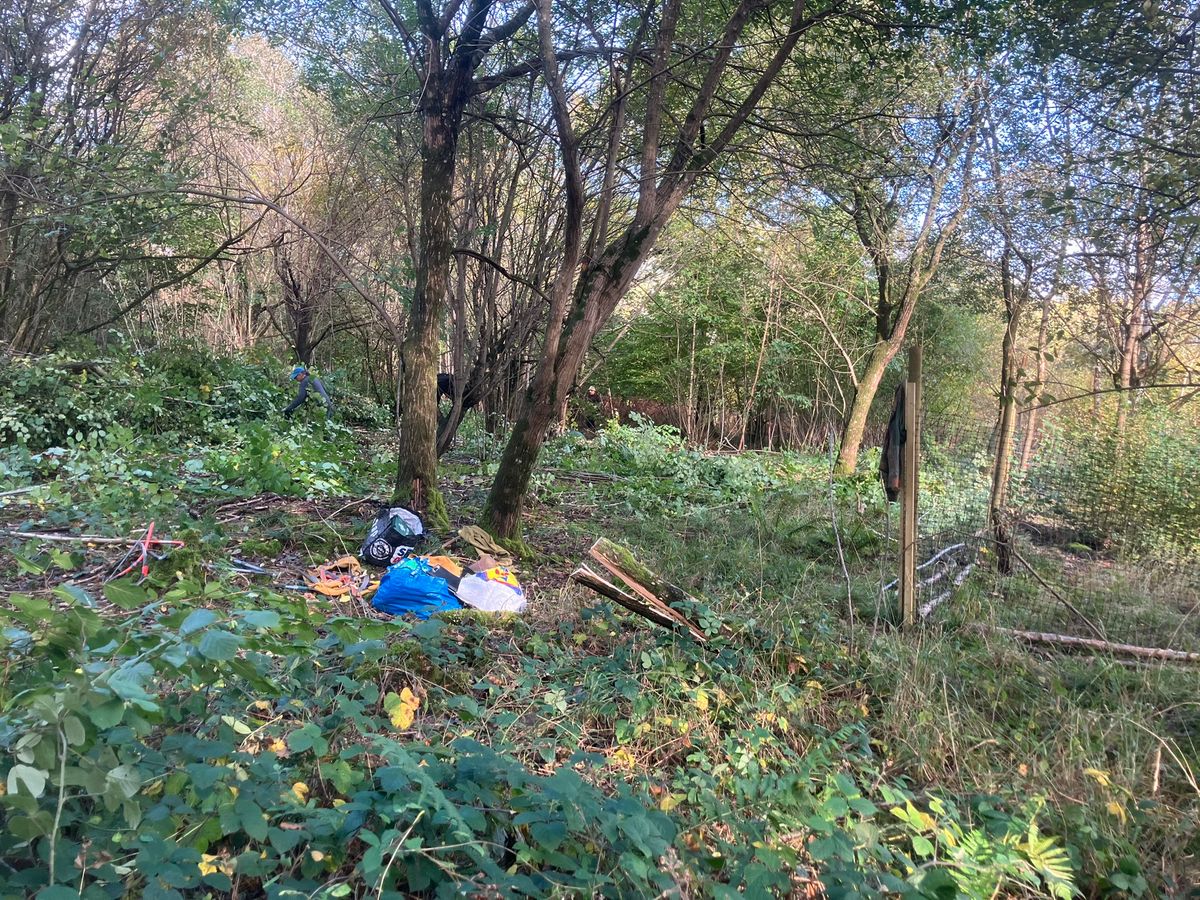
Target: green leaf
127 682
219 645
197 620
27 777
106 715
73 593
549 835
260 618
25 564
27 828
125 594
308 737
237 725
125 780
57 892
73 729
254 823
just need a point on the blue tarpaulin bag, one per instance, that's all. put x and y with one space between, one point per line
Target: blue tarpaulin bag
411 587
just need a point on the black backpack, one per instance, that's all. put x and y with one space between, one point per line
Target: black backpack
394 533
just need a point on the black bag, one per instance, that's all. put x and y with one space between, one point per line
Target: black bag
891 459
393 535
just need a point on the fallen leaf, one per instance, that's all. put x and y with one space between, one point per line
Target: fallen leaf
401 708
623 759
211 864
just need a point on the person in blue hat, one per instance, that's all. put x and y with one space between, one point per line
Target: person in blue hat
305 378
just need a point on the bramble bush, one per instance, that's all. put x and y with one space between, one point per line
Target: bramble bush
664 476
177 390
263 744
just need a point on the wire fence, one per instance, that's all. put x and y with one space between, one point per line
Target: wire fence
1103 534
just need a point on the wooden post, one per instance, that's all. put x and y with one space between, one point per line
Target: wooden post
909 482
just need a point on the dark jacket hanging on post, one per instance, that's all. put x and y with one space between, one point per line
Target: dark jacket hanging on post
891 459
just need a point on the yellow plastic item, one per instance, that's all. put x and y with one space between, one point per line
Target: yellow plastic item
444 562
342 577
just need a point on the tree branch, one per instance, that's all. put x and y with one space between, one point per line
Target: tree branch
474 254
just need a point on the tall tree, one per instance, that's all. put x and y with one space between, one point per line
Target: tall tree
904 182
93 101
714 100
446 46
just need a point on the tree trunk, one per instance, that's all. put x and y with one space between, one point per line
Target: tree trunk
506 500
1128 365
1006 427
416 468
1131 345
597 294
762 352
1031 422
860 407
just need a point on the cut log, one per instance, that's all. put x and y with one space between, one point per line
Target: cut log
1067 640
589 579
658 594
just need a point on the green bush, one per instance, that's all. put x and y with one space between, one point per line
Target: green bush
184 389
663 475
178 748
1139 492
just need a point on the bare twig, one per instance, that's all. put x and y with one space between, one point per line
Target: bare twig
1065 602
1067 640
80 538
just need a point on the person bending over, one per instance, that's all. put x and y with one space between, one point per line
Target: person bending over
306 378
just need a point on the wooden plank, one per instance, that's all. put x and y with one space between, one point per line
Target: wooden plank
1067 640
589 579
656 592
909 493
